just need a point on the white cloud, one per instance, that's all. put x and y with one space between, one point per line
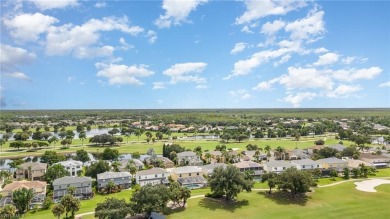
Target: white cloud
309 27
239 47
201 86
350 75
343 91
242 94
348 60
152 36
327 59
304 78
53 4
271 28
123 74
176 12
296 99
17 75
125 45
100 5
284 59
244 67
28 27
263 86
320 50
158 85
76 40
186 72
259 9
246 29
11 58
385 84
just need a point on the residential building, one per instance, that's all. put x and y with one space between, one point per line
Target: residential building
72 166
277 166
152 176
83 187
256 168
166 161
332 163
305 164
122 179
189 158
31 171
38 187
338 147
378 161
297 154
137 163
356 163
189 176
209 168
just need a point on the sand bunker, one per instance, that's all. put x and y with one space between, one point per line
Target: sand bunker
369 185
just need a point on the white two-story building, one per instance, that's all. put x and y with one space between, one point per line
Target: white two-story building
72 166
152 176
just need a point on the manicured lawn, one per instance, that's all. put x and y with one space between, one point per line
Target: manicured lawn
142 147
86 205
341 201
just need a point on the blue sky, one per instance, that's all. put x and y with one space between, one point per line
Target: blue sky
194 54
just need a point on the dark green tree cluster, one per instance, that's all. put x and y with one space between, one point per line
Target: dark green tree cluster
96 168
229 182
105 139
291 180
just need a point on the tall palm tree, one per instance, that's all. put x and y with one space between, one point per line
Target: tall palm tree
71 190
208 157
82 136
57 210
280 151
115 166
110 186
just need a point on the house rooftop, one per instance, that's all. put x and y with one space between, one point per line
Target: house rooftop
331 160
34 166
246 164
186 154
278 163
112 175
24 184
71 180
187 169
152 171
210 167
304 162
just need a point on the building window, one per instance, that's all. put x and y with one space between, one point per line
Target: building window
189 174
197 174
139 177
155 175
303 166
284 168
180 175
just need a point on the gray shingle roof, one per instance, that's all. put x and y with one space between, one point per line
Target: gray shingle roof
187 169
304 162
112 175
246 164
278 163
186 154
211 167
152 171
71 180
331 160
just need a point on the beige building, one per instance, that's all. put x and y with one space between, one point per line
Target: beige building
332 163
39 187
189 176
31 171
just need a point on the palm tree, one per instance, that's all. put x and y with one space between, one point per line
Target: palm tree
110 186
70 204
57 210
127 135
82 136
267 148
115 166
22 198
257 155
71 190
208 157
280 151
